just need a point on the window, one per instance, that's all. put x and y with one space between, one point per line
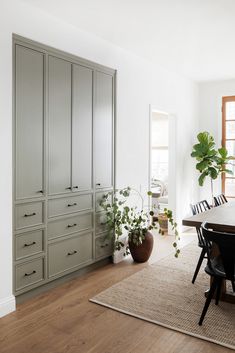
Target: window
228 141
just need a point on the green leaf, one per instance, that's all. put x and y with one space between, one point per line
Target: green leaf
202 165
201 178
228 171
223 152
213 172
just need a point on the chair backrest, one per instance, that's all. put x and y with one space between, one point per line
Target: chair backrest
220 200
200 207
226 245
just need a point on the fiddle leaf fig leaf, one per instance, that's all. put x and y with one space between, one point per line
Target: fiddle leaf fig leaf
223 152
213 172
202 165
228 171
201 178
210 161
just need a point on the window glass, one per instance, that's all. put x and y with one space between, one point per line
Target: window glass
230 111
230 187
230 130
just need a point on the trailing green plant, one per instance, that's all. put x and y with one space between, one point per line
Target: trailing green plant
210 161
122 219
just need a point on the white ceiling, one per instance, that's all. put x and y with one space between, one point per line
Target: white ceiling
192 37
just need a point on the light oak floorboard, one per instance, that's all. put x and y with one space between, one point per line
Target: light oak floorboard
63 320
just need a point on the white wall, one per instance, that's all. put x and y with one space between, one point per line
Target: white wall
138 84
210 103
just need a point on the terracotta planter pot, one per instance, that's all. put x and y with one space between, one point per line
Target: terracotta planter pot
142 252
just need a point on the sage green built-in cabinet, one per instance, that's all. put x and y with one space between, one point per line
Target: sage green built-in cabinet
70 120
29 104
103 127
63 162
82 128
59 126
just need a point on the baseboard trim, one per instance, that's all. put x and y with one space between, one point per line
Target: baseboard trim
21 298
7 305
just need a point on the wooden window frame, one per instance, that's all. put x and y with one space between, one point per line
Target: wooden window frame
224 101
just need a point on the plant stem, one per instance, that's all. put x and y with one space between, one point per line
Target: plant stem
212 192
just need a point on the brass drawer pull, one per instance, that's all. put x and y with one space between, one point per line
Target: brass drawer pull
73 252
68 188
75 187
30 244
72 225
98 184
31 273
72 204
40 191
30 214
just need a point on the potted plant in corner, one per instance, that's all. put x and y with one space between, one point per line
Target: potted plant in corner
210 161
136 223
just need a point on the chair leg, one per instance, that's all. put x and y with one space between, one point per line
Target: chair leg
203 252
208 300
220 280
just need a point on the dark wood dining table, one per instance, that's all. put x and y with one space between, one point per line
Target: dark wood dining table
223 218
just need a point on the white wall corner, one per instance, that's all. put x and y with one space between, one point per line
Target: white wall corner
7 305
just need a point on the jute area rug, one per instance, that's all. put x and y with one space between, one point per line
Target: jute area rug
164 295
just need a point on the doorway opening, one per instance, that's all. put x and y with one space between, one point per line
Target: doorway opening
160 160
162 180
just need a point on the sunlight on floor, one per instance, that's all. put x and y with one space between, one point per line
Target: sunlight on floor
163 244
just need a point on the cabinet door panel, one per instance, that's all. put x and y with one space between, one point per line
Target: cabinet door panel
29 122
59 126
103 131
82 129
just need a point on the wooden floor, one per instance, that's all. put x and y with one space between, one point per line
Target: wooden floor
63 320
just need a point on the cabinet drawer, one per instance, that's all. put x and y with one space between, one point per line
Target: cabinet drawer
29 214
28 244
69 225
98 198
29 273
103 247
68 205
100 223
69 253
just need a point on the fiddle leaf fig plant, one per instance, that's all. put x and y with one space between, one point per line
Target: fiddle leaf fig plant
210 161
122 219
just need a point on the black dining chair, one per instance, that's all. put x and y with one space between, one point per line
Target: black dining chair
221 266
200 207
220 200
